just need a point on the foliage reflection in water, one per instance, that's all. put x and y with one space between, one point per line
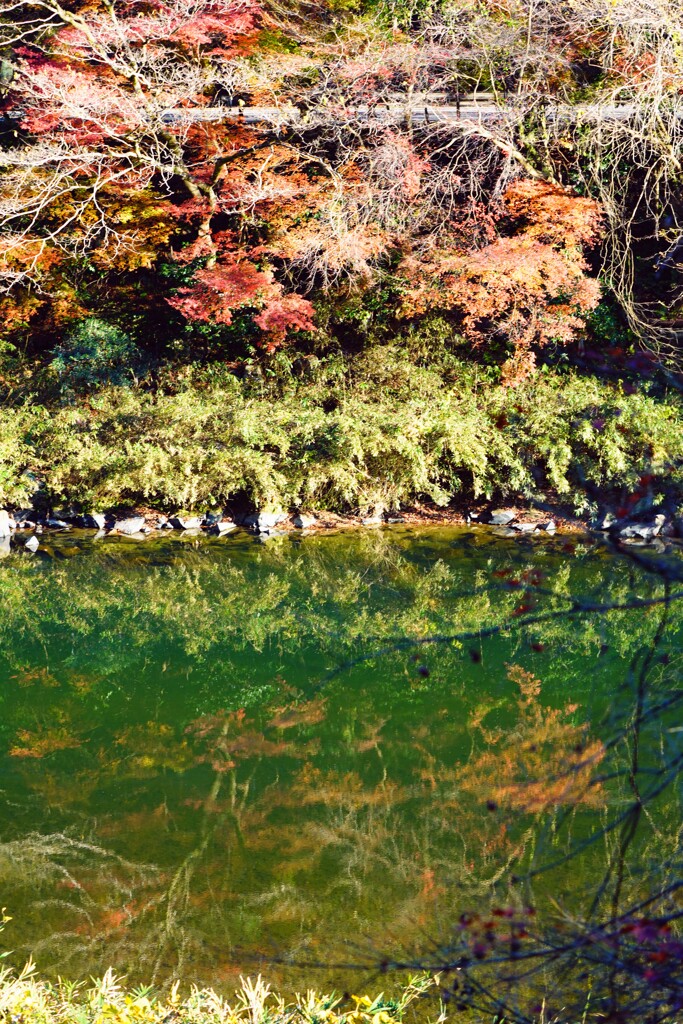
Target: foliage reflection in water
223 754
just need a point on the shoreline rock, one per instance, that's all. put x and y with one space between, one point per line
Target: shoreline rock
263 522
6 523
501 517
222 528
186 522
303 521
654 528
129 527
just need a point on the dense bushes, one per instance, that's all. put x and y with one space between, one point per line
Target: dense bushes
93 353
367 432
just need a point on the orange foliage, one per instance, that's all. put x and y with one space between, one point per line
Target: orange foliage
544 761
232 738
39 744
553 215
529 287
17 310
35 677
309 713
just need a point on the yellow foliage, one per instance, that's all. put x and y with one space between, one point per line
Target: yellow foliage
24 996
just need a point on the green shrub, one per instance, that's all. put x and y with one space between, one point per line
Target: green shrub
92 354
18 453
373 431
606 325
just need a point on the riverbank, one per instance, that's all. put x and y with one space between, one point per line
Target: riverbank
372 437
29 527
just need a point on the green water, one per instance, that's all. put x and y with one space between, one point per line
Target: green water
222 756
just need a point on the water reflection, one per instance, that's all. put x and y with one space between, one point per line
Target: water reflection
202 772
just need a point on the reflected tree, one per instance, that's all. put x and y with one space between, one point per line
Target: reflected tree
378 737
609 946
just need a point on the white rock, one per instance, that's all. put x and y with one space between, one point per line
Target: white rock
264 522
94 521
605 522
5 523
645 531
186 522
303 521
220 529
211 518
129 527
502 517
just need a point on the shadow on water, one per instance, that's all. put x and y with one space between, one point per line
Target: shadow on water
221 755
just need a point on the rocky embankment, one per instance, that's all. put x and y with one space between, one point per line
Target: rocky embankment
26 528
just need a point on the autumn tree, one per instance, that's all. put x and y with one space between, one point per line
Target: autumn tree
527 286
122 155
106 167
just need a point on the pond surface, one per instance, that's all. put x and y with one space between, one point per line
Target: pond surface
223 756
